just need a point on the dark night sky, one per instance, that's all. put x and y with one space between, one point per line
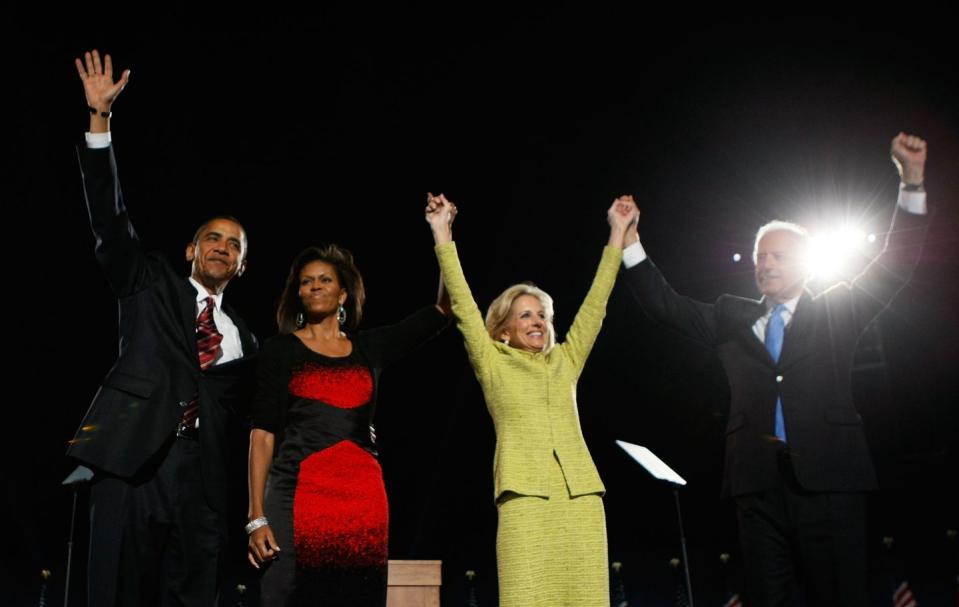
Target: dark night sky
532 121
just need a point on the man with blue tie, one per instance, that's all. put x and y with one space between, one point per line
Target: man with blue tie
797 463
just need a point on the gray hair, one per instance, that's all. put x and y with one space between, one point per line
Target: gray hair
780 226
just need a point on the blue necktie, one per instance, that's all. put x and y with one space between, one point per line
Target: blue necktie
775 329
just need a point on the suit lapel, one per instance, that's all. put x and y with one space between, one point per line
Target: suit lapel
747 315
246 338
187 296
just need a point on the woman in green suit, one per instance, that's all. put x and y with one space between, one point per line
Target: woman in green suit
551 537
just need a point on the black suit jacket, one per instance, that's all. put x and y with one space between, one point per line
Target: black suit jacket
139 403
827 443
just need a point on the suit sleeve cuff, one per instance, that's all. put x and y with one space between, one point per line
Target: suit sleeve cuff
96 141
633 255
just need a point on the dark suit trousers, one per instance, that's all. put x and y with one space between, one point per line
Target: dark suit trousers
154 540
789 536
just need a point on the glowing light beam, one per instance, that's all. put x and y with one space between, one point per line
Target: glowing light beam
830 253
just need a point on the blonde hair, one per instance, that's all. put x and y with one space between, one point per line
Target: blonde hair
497 315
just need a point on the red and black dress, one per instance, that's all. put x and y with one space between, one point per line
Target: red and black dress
325 498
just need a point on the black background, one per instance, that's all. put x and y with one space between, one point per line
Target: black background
532 120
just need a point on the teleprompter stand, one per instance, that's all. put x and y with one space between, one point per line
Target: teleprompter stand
659 470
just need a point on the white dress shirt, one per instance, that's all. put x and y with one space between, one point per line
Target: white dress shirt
230 348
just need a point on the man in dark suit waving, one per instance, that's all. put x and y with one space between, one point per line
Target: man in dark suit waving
797 463
155 434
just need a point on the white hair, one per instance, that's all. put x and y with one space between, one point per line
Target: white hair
780 226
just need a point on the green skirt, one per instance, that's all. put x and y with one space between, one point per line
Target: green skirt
552 552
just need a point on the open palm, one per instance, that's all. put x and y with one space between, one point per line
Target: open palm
98 84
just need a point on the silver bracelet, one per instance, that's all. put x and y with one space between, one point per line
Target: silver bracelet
255 524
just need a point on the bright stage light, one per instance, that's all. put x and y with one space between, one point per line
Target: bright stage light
737 257
830 253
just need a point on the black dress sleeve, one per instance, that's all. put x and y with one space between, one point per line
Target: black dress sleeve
385 345
268 410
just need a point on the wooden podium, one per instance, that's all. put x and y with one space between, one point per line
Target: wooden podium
414 583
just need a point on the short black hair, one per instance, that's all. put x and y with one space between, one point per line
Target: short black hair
199 230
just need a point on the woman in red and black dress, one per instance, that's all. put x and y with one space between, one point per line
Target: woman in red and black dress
316 488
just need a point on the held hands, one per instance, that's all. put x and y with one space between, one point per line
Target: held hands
440 214
262 547
98 84
623 216
909 154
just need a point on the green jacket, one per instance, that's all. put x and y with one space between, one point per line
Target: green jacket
532 397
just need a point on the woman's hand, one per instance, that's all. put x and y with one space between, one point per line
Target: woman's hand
440 214
622 216
262 546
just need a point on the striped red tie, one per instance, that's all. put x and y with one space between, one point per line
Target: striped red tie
208 347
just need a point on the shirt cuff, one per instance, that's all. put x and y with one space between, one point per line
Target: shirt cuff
912 202
634 255
96 141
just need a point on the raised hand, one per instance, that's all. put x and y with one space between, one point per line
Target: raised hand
622 215
623 212
440 214
98 84
909 154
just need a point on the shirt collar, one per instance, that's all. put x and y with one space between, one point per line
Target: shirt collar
202 294
790 305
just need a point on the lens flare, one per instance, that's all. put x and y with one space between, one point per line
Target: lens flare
829 254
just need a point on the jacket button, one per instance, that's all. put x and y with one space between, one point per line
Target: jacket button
183 403
779 379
